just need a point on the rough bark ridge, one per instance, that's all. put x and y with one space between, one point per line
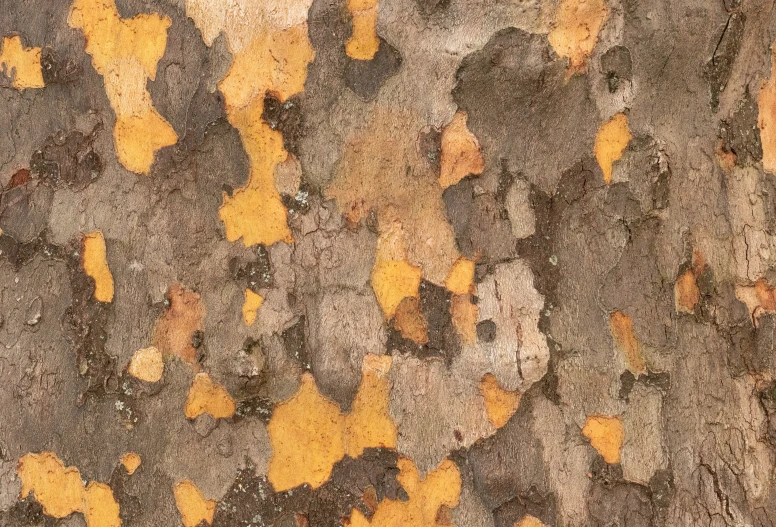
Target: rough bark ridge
387 262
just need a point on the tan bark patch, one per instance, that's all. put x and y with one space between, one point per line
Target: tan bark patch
465 315
95 265
610 142
147 364
125 51
461 154
766 103
21 64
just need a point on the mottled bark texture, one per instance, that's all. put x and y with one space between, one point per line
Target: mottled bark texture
485 263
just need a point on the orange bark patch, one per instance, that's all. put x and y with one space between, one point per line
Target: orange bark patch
95 264
393 278
131 462
575 30
465 315
759 298
208 397
192 505
610 142
60 491
440 488
125 52
621 327
251 305
686 292
766 103
461 154
147 365
20 64
410 322
500 404
175 328
364 42
606 435
309 434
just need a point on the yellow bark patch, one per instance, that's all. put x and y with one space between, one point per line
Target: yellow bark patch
606 435
465 315
306 433
251 305
461 154
610 142
309 434
208 397
100 507
125 52
410 322
131 462
530 521
182 318
440 488
461 277
21 64
575 30
60 490
192 505
57 488
95 264
766 103
686 292
147 365
363 42
500 404
274 61
369 423
393 277
621 327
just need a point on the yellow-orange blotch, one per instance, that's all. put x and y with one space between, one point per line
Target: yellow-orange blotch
251 305
131 462
441 487
610 142
125 51
192 505
606 435
461 155
530 521
461 277
392 282
621 327
147 365
410 322
100 507
575 30
57 488
61 492
465 315
364 42
500 404
686 292
21 64
766 102
309 434
208 397
95 265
